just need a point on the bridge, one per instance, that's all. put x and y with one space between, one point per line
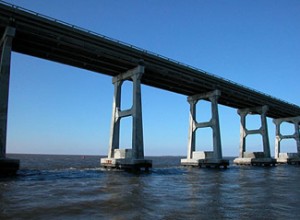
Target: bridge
30 33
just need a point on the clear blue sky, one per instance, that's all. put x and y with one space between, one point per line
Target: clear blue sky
58 109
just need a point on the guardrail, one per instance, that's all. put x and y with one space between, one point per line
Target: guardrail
141 50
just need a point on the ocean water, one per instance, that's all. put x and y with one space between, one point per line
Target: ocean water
74 187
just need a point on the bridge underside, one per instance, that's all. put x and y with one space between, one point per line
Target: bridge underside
52 40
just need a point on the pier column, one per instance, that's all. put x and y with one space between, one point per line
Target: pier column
115 122
243 133
297 135
215 125
200 158
254 158
192 129
137 122
127 158
291 158
6 45
6 165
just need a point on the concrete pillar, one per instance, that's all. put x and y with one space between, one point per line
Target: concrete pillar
242 133
297 135
127 158
135 111
215 125
6 47
137 122
205 158
277 137
7 166
264 131
115 121
283 158
192 129
254 158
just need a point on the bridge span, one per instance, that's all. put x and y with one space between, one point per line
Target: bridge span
30 33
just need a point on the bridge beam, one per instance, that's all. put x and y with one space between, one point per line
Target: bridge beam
7 166
290 158
254 158
202 158
127 158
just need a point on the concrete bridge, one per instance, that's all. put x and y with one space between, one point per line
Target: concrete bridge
30 33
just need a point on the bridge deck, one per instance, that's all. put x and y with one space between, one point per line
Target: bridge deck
54 40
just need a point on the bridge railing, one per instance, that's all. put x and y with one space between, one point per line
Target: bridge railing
140 49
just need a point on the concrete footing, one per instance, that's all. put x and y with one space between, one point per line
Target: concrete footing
123 160
293 161
9 166
205 159
289 158
126 164
208 163
255 159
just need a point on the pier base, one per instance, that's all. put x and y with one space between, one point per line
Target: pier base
208 163
126 164
123 160
9 166
289 158
205 159
255 159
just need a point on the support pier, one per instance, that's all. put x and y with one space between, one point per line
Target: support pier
132 159
254 158
289 158
7 166
205 158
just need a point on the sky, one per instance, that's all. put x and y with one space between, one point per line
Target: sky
59 109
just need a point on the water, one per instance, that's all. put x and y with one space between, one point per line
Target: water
73 187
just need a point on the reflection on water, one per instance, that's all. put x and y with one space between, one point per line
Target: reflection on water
70 187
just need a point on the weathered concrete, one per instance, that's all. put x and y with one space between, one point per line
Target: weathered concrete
254 158
290 158
205 159
134 157
7 166
126 162
123 160
201 157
